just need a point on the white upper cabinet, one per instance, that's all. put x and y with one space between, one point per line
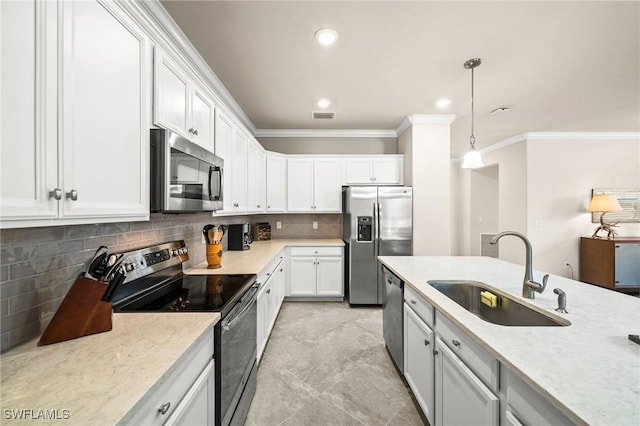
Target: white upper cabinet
239 170
276 182
313 185
28 86
223 140
104 128
256 177
180 104
374 170
91 164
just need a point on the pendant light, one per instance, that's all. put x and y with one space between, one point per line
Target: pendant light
472 159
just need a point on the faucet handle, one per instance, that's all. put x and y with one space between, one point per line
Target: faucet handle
544 282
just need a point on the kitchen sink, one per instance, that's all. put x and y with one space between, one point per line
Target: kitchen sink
498 307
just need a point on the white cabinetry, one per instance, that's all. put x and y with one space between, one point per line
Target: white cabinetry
374 170
419 368
185 393
316 272
231 146
313 185
270 299
196 407
525 406
276 182
461 397
256 177
66 169
180 105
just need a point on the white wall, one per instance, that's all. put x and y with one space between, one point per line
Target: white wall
512 201
561 174
484 205
426 147
544 191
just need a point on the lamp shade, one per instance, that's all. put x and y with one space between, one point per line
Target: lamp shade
604 203
472 160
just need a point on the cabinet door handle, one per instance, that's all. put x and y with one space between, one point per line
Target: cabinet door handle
195 132
268 206
268 290
426 342
455 343
281 269
72 195
258 206
56 194
413 302
435 352
164 408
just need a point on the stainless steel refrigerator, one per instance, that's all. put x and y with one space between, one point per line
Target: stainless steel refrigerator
377 221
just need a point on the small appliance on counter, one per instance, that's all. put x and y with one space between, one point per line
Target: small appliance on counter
262 231
239 237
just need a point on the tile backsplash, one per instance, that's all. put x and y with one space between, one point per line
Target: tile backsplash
38 265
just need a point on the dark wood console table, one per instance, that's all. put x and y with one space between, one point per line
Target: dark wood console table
611 263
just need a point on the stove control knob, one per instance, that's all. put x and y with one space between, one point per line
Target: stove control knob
175 252
129 267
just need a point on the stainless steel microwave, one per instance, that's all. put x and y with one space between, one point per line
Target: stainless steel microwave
184 176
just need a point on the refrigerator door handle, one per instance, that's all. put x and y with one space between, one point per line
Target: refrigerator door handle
376 230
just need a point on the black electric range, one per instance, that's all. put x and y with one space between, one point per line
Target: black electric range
155 282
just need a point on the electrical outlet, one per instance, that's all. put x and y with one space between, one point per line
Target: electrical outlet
315 225
278 225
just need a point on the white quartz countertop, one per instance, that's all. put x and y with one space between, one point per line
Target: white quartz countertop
253 261
590 369
98 379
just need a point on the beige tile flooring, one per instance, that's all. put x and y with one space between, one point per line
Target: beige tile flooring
326 364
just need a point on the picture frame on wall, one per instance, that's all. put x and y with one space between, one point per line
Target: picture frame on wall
629 199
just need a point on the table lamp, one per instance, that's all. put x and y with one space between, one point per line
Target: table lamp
604 203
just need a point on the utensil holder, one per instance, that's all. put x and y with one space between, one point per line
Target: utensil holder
81 313
214 256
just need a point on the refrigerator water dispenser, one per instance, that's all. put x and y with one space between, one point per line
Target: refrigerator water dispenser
365 233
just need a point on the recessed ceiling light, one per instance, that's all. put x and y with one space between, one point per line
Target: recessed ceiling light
443 103
326 36
323 103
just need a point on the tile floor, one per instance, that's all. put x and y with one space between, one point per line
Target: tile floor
326 364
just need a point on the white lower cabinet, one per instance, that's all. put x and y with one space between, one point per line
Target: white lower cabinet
270 297
460 396
185 394
419 367
316 272
196 407
524 406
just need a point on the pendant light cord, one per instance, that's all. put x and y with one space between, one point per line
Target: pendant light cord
472 138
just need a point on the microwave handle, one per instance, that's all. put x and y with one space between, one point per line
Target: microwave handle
213 170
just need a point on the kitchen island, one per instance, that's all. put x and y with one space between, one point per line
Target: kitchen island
589 370
105 378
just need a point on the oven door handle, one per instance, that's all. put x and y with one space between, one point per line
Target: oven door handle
227 324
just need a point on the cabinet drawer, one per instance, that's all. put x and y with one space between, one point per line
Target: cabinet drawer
173 386
526 406
316 251
419 305
476 358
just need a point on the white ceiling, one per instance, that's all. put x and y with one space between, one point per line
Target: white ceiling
559 66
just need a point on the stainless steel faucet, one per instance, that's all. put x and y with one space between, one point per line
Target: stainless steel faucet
529 286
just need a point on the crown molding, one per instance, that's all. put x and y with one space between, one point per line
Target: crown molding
323 133
165 27
522 137
582 135
424 119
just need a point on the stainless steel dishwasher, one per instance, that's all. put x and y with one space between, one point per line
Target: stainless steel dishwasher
392 316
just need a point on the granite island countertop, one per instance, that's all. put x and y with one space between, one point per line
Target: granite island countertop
101 378
590 369
254 260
